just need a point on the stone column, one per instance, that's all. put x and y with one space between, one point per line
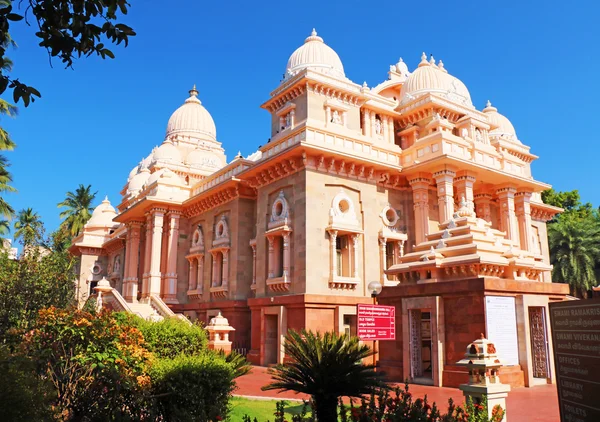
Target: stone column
391 133
135 228
400 248
286 255
200 274
253 246
214 281
508 219
355 251
155 254
191 275
383 248
127 268
523 213
327 116
464 181
147 257
332 239
384 128
444 180
420 187
367 123
483 207
372 124
225 270
271 270
171 290
292 118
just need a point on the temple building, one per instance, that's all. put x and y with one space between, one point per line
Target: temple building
407 183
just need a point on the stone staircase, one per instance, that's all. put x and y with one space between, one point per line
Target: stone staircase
152 308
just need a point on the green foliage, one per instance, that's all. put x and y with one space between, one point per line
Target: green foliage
96 364
28 227
192 388
78 209
381 406
575 252
570 201
325 366
23 395
31 283
574 240
238 363
171 337
67 29
6 211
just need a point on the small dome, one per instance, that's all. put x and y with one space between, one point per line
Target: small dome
402 68
501 126
314 54
192 120
167 152
103 215
163 174
137 182
431 78
133 172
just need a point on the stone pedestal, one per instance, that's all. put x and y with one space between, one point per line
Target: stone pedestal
218 334
483 365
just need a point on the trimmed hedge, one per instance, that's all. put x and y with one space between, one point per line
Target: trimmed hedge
192 388
172 337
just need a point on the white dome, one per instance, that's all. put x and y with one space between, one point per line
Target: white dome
167 152
434 79
314 54
133 172
501 126
163 174
103 215
137 182
192 120
402 68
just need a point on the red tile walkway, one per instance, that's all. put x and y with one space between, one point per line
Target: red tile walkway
535 404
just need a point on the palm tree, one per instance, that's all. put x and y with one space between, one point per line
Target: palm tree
28 226
326 366
4 227
575 251
78 209
6 210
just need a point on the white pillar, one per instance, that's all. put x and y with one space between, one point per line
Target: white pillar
355 252
156 252
332 239
171 291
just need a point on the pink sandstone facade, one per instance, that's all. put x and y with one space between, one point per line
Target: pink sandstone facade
406 183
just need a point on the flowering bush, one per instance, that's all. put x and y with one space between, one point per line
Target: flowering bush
398 406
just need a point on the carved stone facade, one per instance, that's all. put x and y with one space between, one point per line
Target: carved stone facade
355 184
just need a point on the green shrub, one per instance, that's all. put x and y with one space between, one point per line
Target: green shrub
171 337
23 395
192 388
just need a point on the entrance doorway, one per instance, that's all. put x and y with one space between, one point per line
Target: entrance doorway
270 339
421 365
539 342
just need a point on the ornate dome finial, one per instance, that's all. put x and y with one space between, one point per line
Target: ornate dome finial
313 37
488 104
431 60
193 91
424 61
441 66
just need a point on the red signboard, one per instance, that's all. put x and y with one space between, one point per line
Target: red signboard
376 322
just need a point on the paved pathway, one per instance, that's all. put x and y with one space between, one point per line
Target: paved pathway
524 404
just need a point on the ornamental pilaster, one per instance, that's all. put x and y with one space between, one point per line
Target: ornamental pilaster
444 180
483 206
508 219
420 188
464 182
156 250
523 213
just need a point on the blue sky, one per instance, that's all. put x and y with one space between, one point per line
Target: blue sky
538 62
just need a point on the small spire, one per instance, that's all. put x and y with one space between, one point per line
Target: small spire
488 104
441 66
431 60
423 60
365 84
400 60
106 199
193 91
313 37
313 33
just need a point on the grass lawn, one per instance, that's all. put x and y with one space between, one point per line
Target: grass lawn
260 409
